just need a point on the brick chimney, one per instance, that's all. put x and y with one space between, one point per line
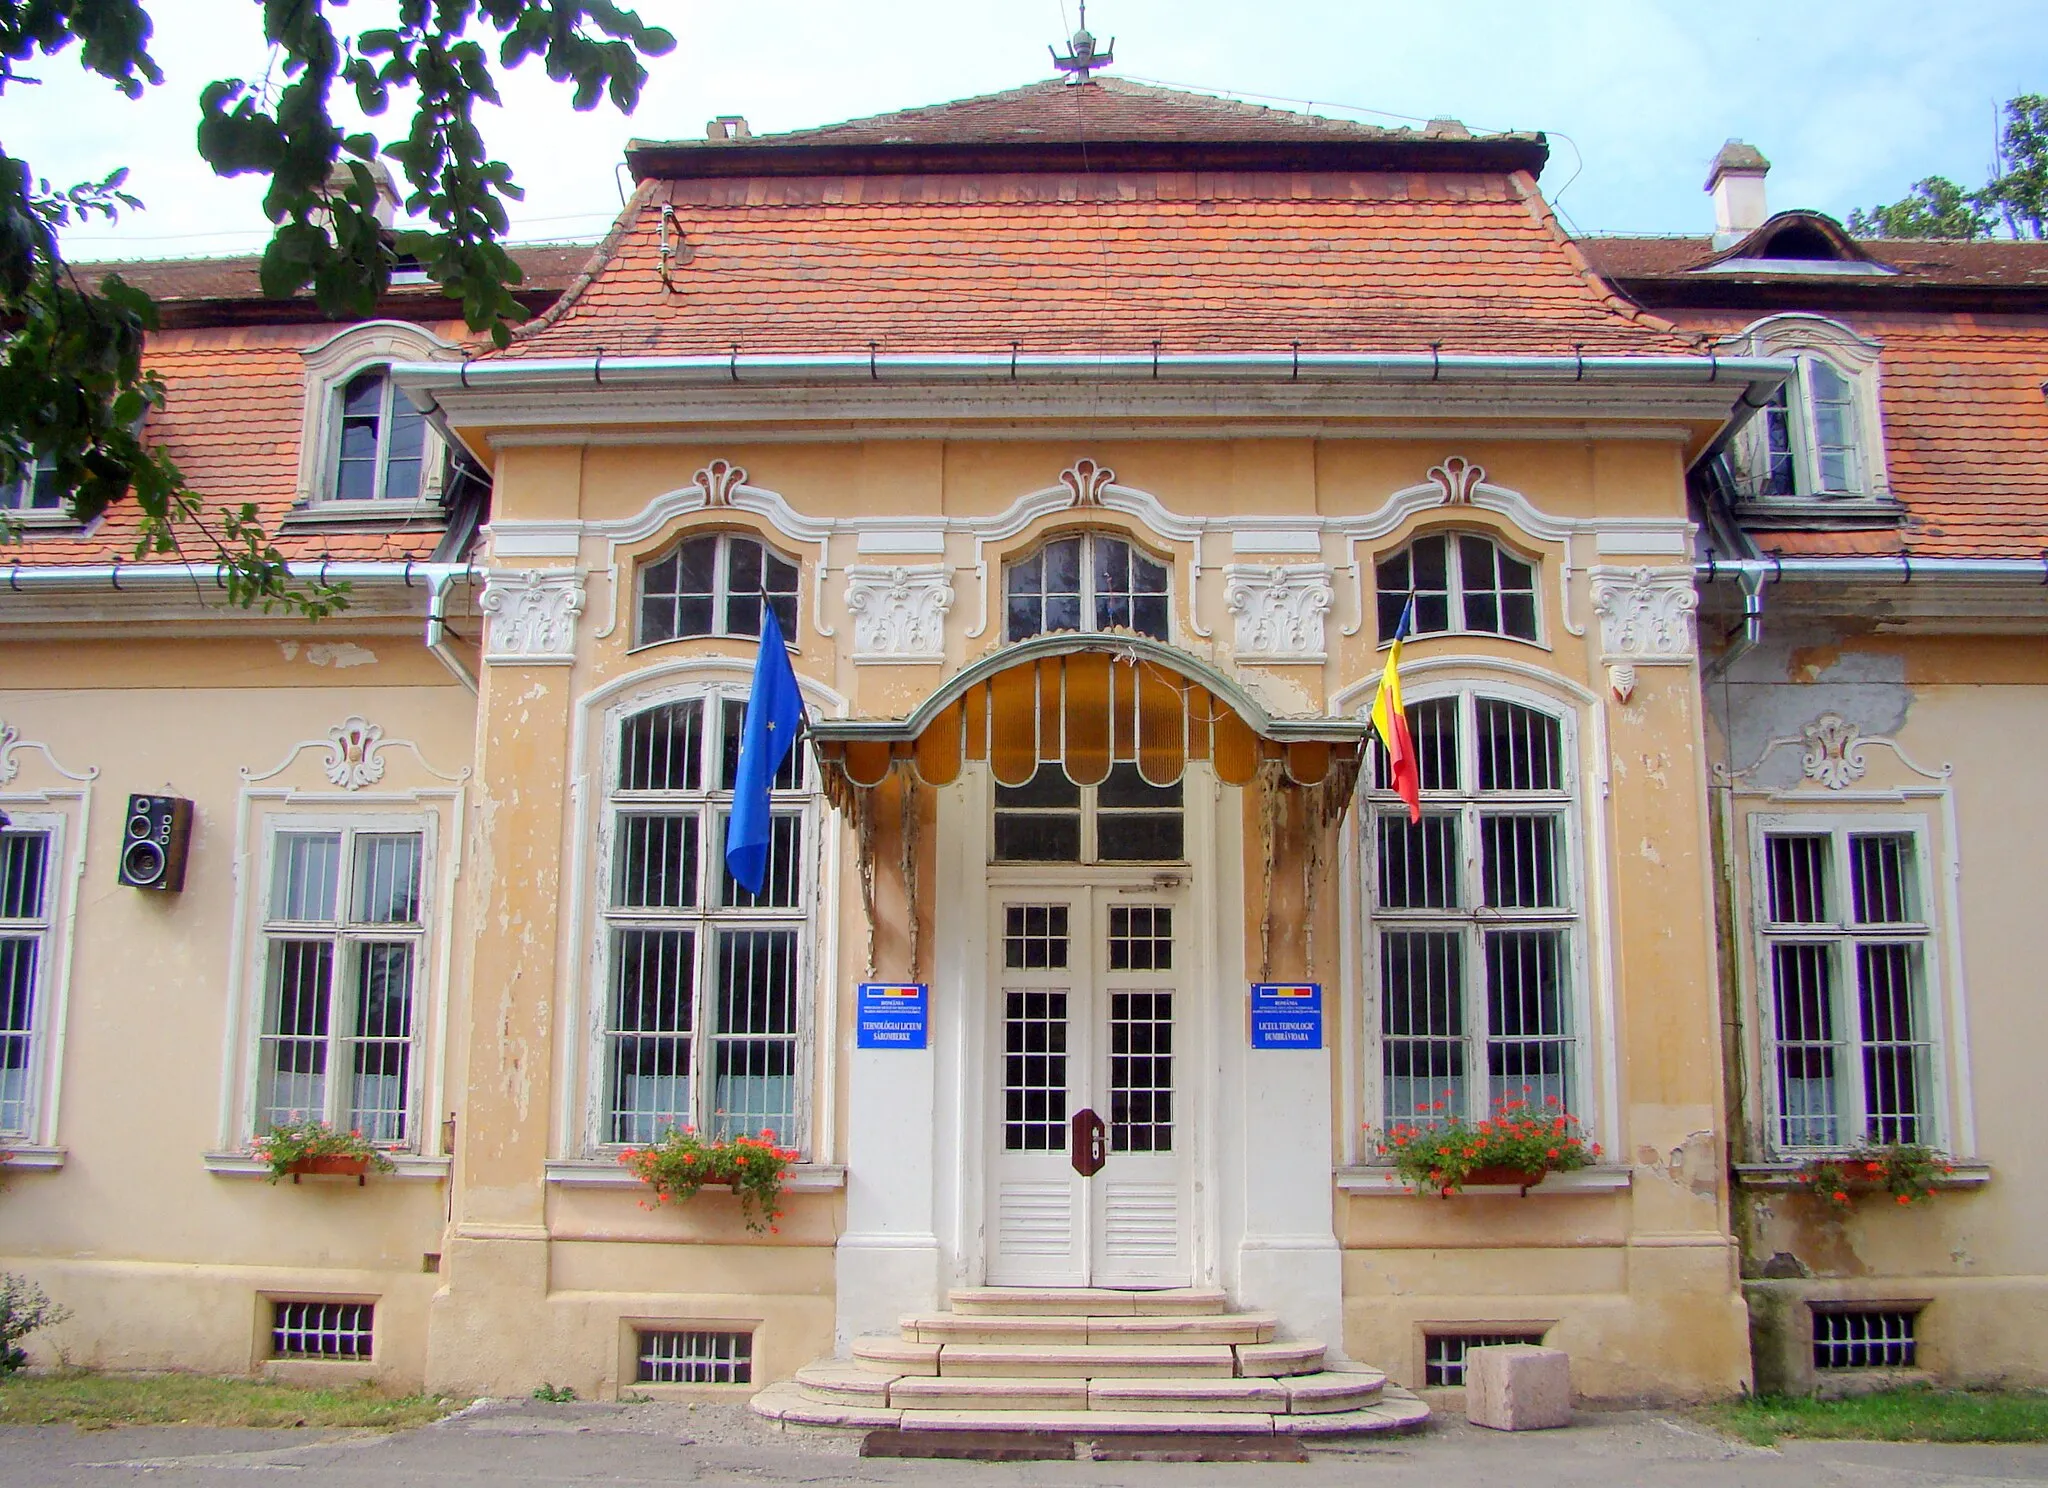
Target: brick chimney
1737 182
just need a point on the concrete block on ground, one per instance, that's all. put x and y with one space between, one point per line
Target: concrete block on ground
1518 1387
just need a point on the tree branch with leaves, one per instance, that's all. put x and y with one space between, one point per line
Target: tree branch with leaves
2015 198
74 390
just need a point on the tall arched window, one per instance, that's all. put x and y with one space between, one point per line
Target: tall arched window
705 983
1085 581
714 584
1461 581
1474 911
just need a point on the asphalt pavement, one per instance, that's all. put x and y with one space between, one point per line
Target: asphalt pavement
509 1444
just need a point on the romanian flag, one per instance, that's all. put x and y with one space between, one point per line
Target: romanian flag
1391 723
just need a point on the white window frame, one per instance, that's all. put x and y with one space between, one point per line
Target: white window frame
388 408
1840 932
330 366
705 918
721 582
1808 340
427 964
1091 622
1454 581
17 494
1569 807
50 932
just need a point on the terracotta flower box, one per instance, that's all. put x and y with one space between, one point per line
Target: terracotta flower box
331 1165
1502 1177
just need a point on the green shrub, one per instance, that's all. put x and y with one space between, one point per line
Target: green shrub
25 1308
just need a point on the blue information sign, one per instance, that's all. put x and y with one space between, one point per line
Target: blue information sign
1287 1015
892 1015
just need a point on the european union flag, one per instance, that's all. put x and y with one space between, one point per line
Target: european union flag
775 712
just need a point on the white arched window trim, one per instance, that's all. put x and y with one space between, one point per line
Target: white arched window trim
1583 745
1818 346
1455 592
1093 607
330 365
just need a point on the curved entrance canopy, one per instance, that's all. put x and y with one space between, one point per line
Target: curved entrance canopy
1084 702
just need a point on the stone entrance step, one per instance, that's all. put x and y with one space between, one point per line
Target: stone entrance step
1086 1361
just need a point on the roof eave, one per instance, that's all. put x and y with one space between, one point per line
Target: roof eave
1742 292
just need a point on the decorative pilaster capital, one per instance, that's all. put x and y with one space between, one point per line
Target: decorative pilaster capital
1279 609
899 611
532 616
1645 614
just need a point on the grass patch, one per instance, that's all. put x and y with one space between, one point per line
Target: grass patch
1914 1414
91 1400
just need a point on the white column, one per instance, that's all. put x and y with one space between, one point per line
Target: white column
1288 1261
888 1257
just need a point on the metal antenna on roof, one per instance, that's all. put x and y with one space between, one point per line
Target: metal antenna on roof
1083 58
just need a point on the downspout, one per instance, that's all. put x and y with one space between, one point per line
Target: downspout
437 630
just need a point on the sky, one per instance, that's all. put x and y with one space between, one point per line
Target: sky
1852 102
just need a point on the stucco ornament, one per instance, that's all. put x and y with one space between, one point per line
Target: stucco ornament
1086 479
9 765
1621 681
717 481
352 760
1279 609
533 616
1834 751
899 613
1457 477
1645 613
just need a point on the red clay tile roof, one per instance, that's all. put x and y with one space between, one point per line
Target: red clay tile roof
1110 261
1920 262
235 409
1966 436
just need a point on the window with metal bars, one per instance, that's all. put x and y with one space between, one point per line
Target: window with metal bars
1461 582
704 983
344 926
1443 1354
714 584
1845 947
695 1356
381 442
1864 1338
1475 912
322 1330
1085 581
25 952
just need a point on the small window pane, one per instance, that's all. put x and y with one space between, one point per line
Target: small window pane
662 748
305 874
1519 861
1520 749
789 775
1797 871
1529 1053
1882 879
1038 837
19 955
1048 786
751 571
1433 729
1125 787
1418 862
753 1044
387 870
676 593
1139 837
782 879
298 1000
1834 429
405 450
380 1045
1803 1006
1776 477
653 987
23 858
1887 995
655 866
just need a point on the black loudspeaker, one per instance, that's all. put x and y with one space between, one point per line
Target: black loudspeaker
154 845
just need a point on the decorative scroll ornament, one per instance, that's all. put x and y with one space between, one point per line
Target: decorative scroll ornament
9 765
717 481
1279 609
353 761
1086 479
533 616
1457 477
899 614
1834 751
1645 613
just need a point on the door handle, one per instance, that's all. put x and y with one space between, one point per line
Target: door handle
1090 1148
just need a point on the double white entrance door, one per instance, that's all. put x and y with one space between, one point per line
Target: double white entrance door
1089 1165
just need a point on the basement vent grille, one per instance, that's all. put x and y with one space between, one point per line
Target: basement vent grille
1443 1360
1863 1340
696 1357
321 1330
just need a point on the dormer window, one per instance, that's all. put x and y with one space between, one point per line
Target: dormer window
382 446
1086 581
714 584
33 492
1816 443
1808 445
1461 582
